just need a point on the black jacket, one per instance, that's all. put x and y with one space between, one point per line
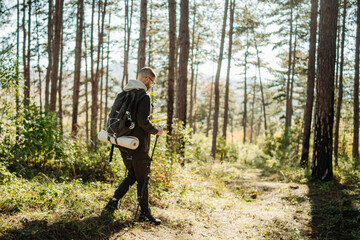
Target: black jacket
143 126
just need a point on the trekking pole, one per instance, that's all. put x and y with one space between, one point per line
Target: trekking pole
145 181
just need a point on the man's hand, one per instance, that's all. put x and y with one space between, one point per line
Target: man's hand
160 130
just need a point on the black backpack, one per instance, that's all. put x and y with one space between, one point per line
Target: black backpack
121 120
122 117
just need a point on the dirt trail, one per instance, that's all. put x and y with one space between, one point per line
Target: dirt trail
246 204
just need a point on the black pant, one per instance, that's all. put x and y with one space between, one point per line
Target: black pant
137 172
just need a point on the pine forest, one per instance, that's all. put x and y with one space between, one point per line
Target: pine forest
228 119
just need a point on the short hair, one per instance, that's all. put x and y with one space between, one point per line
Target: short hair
147 72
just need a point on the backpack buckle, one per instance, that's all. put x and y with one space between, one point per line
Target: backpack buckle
129 158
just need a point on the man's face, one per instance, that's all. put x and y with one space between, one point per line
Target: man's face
149 81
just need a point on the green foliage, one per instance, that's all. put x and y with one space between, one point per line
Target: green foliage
226 151
38 139
8 70
283 147
32 143
5 175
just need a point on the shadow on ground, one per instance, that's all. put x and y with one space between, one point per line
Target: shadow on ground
98 227
335 210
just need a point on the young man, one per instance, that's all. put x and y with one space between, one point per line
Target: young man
137 161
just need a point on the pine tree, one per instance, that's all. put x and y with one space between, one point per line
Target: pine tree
324 111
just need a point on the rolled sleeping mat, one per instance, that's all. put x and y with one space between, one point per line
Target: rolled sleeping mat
130 142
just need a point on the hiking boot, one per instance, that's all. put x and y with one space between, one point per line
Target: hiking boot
146 215
111 206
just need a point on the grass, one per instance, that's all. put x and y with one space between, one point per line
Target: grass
252 198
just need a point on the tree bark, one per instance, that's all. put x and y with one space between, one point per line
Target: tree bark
288 105
181 98
193 59
261 86
210 107
355 150
50 55
17 100
324 110
60 82
106 111
310 85
244 121
101 87
217 80
127 33
77 72
150 35
340 88
194 97
86 88
28 57
95 81
37 9
171 77
226 107
26 92
252 112
181 93
142 37
293 71
57 43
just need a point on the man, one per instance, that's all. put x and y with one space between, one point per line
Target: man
137 161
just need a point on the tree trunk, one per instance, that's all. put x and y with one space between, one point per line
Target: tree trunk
310 85
28 57
26 92
181 93
355 150
127 33
340 92
293 72
126 20
261 86
324 110
142 37
37 9
57 43
17 100
195 94
101 87
226 107
106 111
288 105
150 35
60 82
210 107
337 55
86 88
101 70
171 77
252 112
181 100
193 59
50 55
92 77
77 71
95 81
217 80
245 90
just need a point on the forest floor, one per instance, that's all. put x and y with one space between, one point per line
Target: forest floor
221 201
247 203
